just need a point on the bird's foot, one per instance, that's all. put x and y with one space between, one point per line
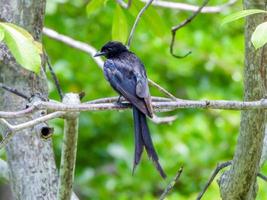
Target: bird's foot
119 100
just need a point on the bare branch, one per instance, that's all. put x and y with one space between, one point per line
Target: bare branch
193 8
115 99
171 184
54 76
262 177
17 114
159 106
14 91
75 44
69 149
185 22
136 22
163 120
125 5
161 89
219 167
12 129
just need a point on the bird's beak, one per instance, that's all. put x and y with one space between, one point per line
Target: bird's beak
100 54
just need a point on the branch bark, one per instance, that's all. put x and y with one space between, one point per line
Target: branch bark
240 181
30 159
69 149
4 170
192 8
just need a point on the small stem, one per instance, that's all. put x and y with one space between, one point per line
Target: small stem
14 91
171 184
136 22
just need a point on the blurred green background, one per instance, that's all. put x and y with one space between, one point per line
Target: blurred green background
197 140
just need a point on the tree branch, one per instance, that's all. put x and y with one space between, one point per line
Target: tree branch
53 74
74 43
171 184
12 129
14 91
159 105
137 19
181 25
125 5
219 167
193 8
69 149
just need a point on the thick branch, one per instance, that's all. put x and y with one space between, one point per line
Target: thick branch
193 8
159 106
69 148
240 181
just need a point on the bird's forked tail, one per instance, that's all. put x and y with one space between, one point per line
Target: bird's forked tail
143 139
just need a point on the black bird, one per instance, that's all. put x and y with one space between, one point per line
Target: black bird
126 74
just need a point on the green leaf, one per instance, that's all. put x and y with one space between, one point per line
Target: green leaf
241 14
93 6
37 44
119 26
151 19
259 36
2 34
22 46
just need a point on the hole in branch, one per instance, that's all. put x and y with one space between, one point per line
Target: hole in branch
46 132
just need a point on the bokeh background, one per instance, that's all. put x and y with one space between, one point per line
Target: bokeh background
197 140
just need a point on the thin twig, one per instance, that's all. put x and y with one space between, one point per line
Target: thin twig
219 167
14 91
161 89
125 5
163 120
91 51
260 175
193 8
53 74
182 24
12 129
171 184
136 22
75 44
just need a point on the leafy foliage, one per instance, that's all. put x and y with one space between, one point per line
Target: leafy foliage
119 26
22 45
259 36
241 14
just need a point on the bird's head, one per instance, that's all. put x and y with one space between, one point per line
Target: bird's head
111 49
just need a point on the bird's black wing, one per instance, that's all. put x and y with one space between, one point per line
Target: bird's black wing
126 82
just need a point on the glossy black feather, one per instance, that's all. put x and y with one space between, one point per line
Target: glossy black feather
126 74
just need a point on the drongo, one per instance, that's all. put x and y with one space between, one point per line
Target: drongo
126 75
